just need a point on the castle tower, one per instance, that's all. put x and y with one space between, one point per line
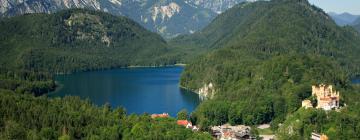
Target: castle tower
327 98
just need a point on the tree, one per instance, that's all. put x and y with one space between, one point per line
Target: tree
13 130
182 114
64 137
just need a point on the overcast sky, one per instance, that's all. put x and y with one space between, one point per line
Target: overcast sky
338 6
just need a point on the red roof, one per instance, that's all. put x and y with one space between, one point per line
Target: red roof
183 122
227 134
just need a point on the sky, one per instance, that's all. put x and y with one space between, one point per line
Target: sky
338 6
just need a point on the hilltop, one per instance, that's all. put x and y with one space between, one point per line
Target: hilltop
76 40
271 28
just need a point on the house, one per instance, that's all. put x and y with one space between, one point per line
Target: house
187 124
316 136
216 132
163 115
228 132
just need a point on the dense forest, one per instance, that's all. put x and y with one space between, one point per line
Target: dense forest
248 93
24 116
26 82
77 40
264 29
263 59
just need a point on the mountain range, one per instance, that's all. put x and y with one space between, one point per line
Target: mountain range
166 17
344 18
169 18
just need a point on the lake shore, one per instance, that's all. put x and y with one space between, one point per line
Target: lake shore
125 67
160 66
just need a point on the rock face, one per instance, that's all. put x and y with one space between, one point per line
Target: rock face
217 6
166 11
166 17
207 91
19 7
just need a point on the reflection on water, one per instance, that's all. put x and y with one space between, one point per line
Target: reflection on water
139 90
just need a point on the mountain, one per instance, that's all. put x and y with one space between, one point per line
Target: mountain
217 6
76 40
167 17
237 26
357 27
356 24
243 24
357 21
343 18
262 60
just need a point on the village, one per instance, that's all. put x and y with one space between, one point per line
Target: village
325 96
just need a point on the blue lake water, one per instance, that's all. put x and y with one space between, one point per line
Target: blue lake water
356 81
138 90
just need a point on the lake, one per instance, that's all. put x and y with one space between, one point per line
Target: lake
356 81
138 90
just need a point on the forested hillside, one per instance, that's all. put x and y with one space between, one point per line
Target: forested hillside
336 125
76 40
29 117
265 62
279 27
28 82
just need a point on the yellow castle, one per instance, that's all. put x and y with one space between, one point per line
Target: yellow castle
327 98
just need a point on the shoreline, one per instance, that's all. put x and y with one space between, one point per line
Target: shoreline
161 66
58 86
185 88
125 67
201 97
